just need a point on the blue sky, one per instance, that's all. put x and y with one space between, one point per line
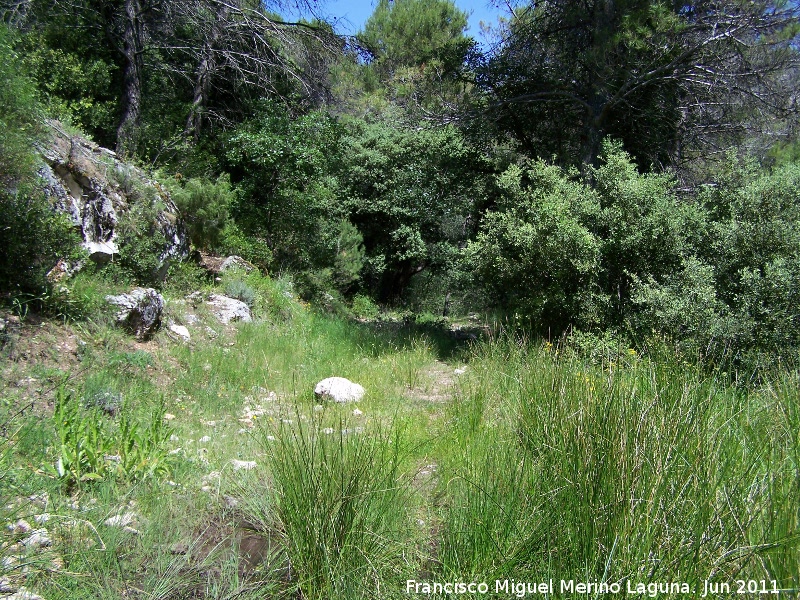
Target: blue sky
350 15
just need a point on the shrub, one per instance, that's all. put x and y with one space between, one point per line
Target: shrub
364 307
205 208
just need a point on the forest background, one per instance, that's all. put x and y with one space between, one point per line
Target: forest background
611 171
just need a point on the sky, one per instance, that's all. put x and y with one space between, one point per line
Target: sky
349 16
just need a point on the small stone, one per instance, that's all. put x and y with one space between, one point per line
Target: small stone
271 438
339 390
168 416
357 413
175 452
247 465
174 438
460 371
39 538
6 587
328 430
204 439
42 519
179 548
23 594
21 526
121 520
230 502
129 529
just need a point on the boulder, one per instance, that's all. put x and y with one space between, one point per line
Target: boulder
140 311
228 309
236 263
339 390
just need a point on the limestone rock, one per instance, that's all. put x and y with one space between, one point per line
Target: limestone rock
339 390
180 331
140 311
236 262
39 538
22 594
95 189
228 309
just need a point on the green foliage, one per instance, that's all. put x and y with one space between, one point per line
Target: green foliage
364 307
537 252
205 208
20 114
564 251
733 302
89 449
75 88
418 49
237 288
141 241
349 257
284 167
250 246
32 236
410 193
412 32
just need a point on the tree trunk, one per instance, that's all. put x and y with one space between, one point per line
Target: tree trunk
133 46
205 71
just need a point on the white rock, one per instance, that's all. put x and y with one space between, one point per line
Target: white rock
236 262
23 594
6 587
21 526
228 309
168 416
180 331
460 371
39 538
357 413
328 430
339 390
247 465
204 439
121 520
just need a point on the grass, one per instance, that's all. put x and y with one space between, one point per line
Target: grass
534 464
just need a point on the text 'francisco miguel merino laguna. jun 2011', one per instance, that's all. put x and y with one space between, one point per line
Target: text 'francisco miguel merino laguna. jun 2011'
520 589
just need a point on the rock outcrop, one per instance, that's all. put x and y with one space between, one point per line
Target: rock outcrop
95 189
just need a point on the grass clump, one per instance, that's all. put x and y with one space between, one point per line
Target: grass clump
340 505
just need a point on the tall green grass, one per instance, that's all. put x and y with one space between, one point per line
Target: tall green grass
339 508
641 472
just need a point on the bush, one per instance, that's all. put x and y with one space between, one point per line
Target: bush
364 307
205 208
537 254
